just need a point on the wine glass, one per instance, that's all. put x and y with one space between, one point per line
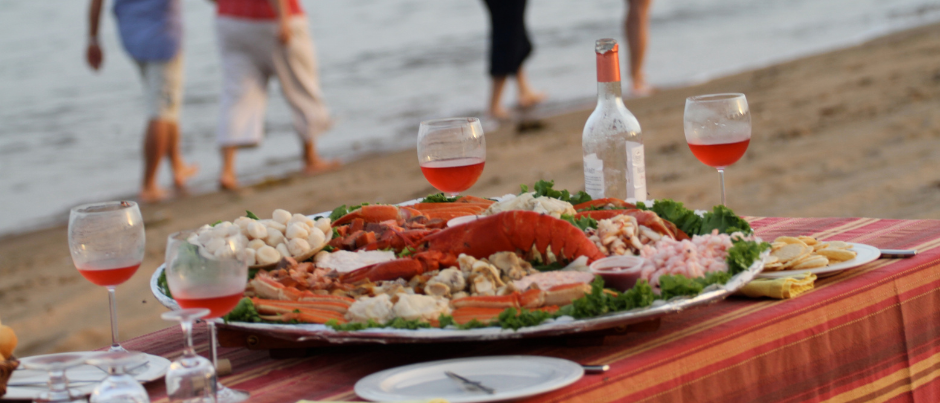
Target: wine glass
190 378
718 130
118 387
107 245
451 153
56 364
199 279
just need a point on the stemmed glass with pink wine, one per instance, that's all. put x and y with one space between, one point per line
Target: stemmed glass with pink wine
107 245
718 130
451 153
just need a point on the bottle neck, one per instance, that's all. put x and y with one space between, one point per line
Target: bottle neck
609 93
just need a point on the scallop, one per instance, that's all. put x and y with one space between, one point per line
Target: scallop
237 242
316 238
274 224
215 244
193 239
282 249
267 255
232 230
257 230
224 253
203 228
298 246
247 255
274 238
282 216
256 244
205 237
304 219
298 231
324 225
242 222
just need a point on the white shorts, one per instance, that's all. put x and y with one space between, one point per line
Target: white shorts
163 87
251 54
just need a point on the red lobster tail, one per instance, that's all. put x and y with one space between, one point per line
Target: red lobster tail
512 231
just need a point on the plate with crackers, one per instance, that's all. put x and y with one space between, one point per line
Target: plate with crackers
792 256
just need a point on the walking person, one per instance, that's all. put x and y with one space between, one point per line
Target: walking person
151 32
636 28
509 47
259 39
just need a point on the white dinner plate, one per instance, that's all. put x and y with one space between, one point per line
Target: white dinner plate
155 369
864 254
512 377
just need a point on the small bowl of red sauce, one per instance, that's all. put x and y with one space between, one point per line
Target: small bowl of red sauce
619 272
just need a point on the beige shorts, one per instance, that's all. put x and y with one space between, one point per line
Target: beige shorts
163 87
251 54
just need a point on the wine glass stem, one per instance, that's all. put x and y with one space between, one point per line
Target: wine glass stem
212 342
112 303
188 334
721 175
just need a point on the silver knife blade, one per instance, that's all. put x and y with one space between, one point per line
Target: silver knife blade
897 253
467 382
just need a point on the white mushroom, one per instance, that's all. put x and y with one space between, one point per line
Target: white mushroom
297 231
298 246
267 255
281 216
257 230
316 237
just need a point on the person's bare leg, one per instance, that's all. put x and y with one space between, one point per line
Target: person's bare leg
313 163
637 32
527 96
181 171
155 145
496 110
228 180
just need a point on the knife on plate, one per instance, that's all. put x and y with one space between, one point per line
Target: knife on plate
473 384
897 253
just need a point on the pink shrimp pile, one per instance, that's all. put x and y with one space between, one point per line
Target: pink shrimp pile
691 258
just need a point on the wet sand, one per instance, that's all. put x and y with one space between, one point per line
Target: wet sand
853 132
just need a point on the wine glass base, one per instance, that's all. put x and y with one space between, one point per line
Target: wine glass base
117 349
226 395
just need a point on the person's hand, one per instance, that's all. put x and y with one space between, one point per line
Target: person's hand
283 32
94 56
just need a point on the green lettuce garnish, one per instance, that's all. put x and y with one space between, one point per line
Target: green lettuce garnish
439 198
720 218
583 223
244 312
545 188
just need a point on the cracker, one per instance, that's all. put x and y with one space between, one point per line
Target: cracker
840 245
807 240
777 245
814 262
773 267
791 252
795 262
836 255
789 239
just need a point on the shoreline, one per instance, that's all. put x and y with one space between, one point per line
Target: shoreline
850 132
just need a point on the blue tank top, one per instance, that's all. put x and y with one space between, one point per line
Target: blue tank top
151 30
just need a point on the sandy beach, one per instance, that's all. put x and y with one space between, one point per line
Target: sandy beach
852 132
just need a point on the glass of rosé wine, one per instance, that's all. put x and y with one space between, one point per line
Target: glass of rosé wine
107 245
451 153
718 130
213 280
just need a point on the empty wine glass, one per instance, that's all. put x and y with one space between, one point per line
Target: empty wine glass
191 378
107 245
118 387
451 153
56 364
199 279
718 130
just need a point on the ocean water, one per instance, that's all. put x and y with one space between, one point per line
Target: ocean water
69 135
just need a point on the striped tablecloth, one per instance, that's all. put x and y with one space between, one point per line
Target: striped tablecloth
870 334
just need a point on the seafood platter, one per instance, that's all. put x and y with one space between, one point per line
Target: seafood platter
538 263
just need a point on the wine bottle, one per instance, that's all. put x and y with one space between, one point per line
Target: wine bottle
614 163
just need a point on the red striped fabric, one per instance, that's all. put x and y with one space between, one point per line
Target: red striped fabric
254 9
870 334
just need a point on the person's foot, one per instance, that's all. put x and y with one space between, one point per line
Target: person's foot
228 182
152 195
499 113
182 174
642 90
320 166
531 99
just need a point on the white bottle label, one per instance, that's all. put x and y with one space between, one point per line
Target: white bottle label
594 176
636 171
